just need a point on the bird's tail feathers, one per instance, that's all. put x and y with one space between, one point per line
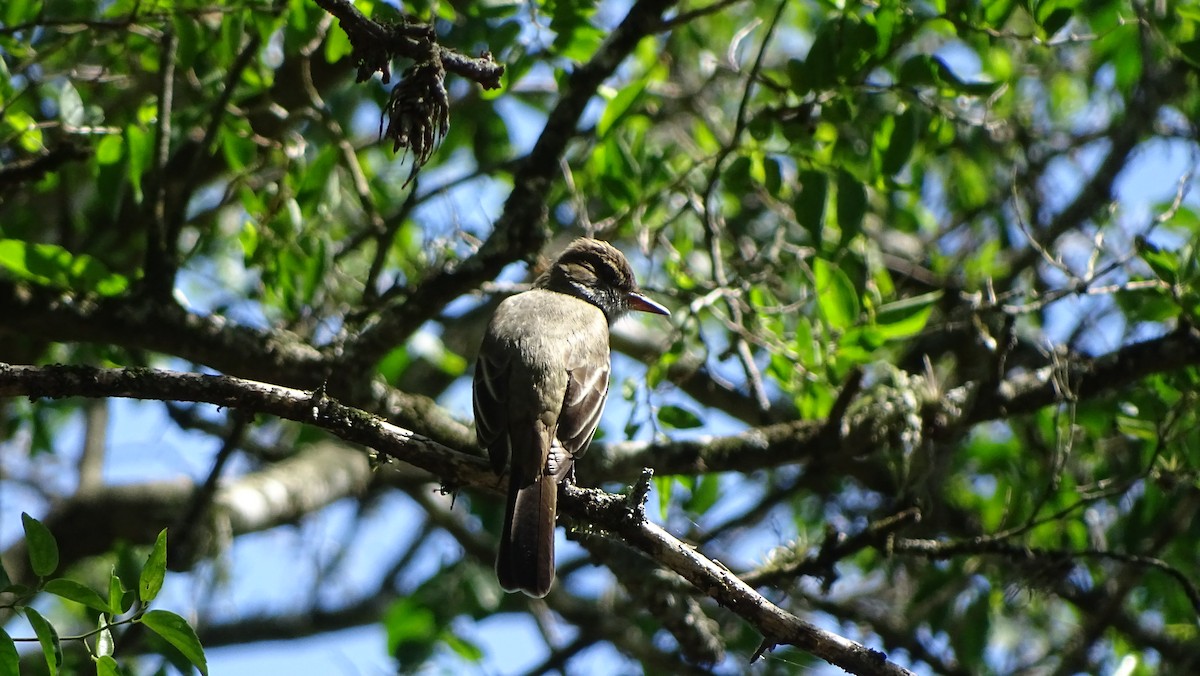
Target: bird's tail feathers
525 560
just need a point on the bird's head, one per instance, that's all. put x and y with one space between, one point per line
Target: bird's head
598 273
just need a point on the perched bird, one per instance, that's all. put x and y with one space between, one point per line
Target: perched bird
540 385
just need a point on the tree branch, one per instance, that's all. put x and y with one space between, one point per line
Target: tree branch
313 408
375 45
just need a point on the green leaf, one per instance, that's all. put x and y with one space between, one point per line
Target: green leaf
820 69
773 175
836 296
678 417
70 105
9 660
176 631
137 142
1191 51
810 204
858 346
29 134
582 44
74 591
996 12
851 205
48 638
1053 14
905 318
619 106
52 265
737 174
18 12
665 485
155 570
1165 264
704 494
43 550
411 627
119 599
901 143
917 71
104 638
463 648
926 70
1152 304
107 666
5 580
797 75
109 149
337 45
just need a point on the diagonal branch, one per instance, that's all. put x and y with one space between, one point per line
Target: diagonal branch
777 626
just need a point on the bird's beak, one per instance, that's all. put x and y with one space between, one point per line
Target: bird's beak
643 304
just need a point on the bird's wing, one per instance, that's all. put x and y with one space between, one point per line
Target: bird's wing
583 402
490 401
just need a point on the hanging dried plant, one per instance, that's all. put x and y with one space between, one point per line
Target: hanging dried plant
418 112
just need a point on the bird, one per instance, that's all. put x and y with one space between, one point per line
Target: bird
539 388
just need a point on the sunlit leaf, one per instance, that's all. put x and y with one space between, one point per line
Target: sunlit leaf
836 295
619 106
104 638
137 145
155 569
176 631
664 486
704 494
79 593
905 318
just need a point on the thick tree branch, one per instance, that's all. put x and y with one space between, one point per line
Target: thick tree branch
138 322
314 408
89 523
280 626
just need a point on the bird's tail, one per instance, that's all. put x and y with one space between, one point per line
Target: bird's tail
525 560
